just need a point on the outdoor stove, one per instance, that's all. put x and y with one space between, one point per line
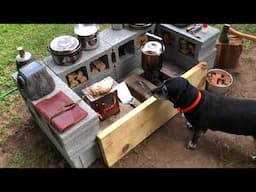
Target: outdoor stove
184 48
119 57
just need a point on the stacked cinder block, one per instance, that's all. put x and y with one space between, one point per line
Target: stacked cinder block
126 53
87 57
120 51
77 144
204 46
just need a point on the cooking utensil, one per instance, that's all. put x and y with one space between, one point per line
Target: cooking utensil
124 94
65 50
152 54
194 29
140 25
88 35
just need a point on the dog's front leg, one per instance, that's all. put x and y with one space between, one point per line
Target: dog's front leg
192 144
254 156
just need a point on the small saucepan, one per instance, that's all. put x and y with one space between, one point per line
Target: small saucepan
65 50
88 35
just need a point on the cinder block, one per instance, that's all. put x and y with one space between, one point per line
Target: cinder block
76 138
78 144
86 156
204 47
127 54
210 59
186 62
103 51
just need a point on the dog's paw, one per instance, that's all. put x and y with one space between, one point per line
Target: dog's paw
189 126
190 145
253 158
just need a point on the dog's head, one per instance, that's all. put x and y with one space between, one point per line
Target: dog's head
171 89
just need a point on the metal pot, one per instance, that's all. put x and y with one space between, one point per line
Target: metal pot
152 55
88 35
65 50
140 25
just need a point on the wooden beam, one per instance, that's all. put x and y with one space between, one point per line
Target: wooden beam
123 135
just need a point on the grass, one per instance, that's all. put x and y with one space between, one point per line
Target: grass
35 38
17 160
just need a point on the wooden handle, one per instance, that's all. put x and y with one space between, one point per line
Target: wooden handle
242 35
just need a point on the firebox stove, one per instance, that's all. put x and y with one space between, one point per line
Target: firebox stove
118 56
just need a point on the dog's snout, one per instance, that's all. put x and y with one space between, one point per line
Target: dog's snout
153 91
159 92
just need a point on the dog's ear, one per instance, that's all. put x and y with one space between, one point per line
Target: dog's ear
182 85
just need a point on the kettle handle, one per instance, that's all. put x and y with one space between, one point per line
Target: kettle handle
160 39
49 49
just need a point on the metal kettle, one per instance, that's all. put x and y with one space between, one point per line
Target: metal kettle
152 54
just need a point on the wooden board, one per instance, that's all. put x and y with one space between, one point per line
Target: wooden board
123 135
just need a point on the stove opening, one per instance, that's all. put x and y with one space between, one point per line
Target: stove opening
99 65
77 77
186 47
126 49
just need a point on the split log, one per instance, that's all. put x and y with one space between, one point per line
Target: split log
228 54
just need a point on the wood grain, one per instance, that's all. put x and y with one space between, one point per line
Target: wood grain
127 132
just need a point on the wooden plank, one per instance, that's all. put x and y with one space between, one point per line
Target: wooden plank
123 135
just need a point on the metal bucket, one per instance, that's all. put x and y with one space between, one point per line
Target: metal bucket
215 88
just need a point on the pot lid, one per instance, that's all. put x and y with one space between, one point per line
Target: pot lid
152 48
86 29
64 43
140 25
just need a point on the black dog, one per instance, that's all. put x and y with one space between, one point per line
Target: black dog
205 110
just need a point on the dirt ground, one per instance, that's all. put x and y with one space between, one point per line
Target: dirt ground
163 149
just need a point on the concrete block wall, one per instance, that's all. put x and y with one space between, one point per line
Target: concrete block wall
78 137
110 43
86 156
186 62
124 39
204 46
87 56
